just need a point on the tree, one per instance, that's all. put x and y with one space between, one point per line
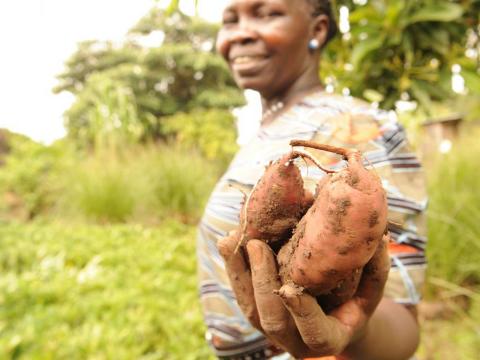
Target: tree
402 49
129 89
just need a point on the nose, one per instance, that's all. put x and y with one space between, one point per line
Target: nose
243 35
244 32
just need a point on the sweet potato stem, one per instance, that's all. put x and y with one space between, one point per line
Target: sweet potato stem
314 145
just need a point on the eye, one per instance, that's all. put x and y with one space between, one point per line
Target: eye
228 21
265 13
229 18
274 14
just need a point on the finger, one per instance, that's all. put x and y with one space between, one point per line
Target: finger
375 274
323 334
274 318
355 312
240 277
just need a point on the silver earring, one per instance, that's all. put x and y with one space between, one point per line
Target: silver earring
313 44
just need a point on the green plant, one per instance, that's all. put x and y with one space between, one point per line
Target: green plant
128 89
454 230
179 181
101 189
108 106
91 292
28 185
453 333
404 49
211 131
138 183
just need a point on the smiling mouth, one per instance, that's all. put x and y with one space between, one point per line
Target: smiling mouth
247 59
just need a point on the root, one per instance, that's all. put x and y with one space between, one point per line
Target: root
346 153
371 165
245 196
394 223
294 154
246 199
242 239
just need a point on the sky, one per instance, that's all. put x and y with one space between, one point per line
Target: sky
37 37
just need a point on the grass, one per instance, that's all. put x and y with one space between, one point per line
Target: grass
143 184
447 339
102 191
122 292
453 253
454 332
454 210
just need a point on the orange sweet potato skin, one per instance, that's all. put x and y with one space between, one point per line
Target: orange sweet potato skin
276 204
339 234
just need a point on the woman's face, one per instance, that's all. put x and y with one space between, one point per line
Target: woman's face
265 43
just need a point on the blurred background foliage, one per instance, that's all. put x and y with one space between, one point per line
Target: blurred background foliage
149 133
405 50
165 65
388 53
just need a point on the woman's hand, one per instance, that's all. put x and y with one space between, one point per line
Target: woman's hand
291 319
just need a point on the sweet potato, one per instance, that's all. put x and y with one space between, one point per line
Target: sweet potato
276 203
339 233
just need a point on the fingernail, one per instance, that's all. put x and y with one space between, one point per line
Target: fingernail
223 249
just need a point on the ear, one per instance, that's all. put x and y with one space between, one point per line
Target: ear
319 30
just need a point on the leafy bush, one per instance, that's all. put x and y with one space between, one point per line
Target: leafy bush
138 183
135 86
178 181
404 49
107 109
28 177
101 189
211 131
89 292
116 182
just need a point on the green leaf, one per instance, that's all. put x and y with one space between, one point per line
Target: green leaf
173 6
472 80
363 13
420 93
438 38
373 95
444 12
393 15
363 48
408 48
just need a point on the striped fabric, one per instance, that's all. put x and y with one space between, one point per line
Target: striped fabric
326 118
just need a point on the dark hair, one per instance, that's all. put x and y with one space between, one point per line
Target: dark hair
324 7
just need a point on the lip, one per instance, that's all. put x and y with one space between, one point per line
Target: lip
248 64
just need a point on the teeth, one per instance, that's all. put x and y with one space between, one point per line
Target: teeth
245 59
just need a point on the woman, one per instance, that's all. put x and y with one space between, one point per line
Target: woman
274 47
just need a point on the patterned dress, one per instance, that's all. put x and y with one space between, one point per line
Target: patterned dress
326 118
